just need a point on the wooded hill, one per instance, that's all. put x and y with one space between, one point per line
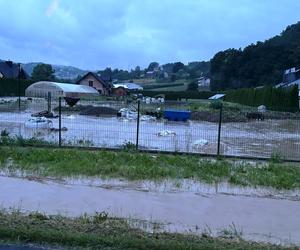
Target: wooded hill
258 64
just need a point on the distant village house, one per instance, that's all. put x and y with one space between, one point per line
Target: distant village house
290 77
10 70
203 83
122 89
103 86
151 74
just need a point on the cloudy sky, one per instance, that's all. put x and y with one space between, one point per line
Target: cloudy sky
93 34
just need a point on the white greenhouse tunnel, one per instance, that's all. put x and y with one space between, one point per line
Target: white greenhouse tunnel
43 88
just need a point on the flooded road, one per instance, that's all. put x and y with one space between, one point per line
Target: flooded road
256 138
258 218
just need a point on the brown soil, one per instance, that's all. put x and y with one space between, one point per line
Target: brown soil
239 116
214 116
98 111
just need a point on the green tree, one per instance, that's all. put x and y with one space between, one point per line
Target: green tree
43 72
153 65
192 86
259 64
178 66
107 72
137 72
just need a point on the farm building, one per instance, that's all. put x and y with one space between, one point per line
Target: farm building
102 85
42 88
121 89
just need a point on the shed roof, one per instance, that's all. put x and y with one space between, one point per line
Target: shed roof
129 86
282 84
216 97
297 82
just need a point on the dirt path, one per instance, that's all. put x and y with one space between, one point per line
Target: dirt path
273 220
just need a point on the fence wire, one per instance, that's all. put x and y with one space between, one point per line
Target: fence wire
242 131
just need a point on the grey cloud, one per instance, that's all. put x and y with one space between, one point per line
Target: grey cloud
93 34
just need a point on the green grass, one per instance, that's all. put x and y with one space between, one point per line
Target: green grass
143 166
102 232
205 105
178 85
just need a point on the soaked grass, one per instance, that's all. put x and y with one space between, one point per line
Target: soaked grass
102 232
145 166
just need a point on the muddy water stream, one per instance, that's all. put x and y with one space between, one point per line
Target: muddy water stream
184 208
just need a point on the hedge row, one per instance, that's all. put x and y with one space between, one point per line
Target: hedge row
176 95
278 99
158 86
9 87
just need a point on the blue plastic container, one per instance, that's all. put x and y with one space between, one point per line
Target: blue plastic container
177 115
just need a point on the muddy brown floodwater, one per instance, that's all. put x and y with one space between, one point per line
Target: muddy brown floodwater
258 217
256 138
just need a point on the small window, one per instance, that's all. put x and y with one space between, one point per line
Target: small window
100 91
91 83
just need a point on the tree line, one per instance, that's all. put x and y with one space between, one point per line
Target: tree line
258 64
169 72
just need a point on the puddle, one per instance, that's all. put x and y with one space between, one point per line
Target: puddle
162 186
189 210
186 186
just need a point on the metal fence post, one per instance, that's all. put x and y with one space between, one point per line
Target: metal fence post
49 102
137 126
219 130
59 122
19 86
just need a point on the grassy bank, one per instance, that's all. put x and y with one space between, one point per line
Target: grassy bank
142 166
102 232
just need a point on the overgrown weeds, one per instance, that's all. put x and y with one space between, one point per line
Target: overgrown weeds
18 140
108 233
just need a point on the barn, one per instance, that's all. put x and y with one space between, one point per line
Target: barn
57 89
122 89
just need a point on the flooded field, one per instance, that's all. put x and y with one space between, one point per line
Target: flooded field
188 208
255 138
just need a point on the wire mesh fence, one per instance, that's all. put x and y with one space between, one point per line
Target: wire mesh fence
210 128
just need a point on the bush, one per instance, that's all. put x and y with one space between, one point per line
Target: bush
157 86
215 104
4 133
9 87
